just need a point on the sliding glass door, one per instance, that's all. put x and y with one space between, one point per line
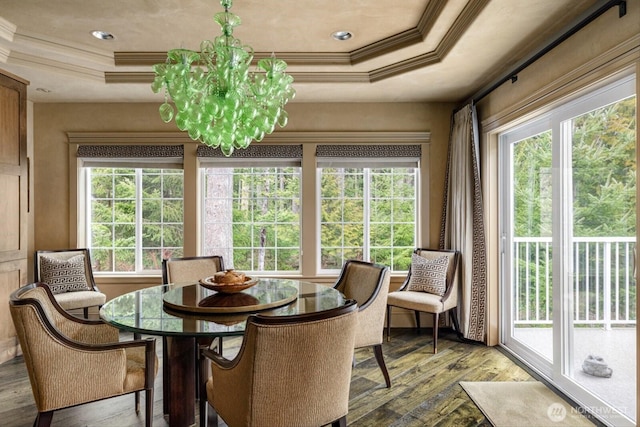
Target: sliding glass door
568 232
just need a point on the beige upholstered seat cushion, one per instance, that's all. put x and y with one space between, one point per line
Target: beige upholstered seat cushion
80 299
416 300
67 273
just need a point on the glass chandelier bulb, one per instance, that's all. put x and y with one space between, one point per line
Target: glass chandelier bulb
219 102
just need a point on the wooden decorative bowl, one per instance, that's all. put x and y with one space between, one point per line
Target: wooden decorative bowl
208 283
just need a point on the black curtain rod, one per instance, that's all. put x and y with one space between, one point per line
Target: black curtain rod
591 15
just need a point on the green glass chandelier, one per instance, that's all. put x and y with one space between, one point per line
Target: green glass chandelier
218 101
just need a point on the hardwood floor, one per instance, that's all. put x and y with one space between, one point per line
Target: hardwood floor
424 391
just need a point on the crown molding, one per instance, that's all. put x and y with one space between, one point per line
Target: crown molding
401 67
331 77
7 30
374 50
123 77
430 16
118 77
4 54
397 41
470 12
33 61
460 25
406 38
135 59
31 44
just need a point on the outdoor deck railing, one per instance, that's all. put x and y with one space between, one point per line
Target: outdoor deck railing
604 287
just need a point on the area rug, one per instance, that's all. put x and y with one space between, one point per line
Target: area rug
525 403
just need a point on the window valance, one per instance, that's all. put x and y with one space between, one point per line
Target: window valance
254 155
368 155
160 156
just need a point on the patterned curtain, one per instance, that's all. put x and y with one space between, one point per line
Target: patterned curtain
463 221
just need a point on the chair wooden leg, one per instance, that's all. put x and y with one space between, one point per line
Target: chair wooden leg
43 419
453 313
341 422
148 410
377 350
417 313
202 411
388 323
436 320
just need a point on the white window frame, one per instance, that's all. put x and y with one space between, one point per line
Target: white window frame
555 119
359 160
133 156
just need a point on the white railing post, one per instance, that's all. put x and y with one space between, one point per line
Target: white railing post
606 273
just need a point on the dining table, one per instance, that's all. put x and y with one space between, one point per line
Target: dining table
185 314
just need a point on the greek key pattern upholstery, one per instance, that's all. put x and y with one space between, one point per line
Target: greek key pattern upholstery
64 275
429 275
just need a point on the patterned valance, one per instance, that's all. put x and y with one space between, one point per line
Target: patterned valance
368 155
130 151
255 151
363 150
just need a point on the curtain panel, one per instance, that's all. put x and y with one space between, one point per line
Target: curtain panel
463 221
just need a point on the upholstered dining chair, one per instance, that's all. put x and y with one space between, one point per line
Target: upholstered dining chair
69 274
430 287
290 371
184 270
190 269
72 361
368 284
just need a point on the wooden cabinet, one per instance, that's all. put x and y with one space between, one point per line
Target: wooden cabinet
13 202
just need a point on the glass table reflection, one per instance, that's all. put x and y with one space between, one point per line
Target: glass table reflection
184 313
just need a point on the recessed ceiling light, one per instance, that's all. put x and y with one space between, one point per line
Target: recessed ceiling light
342 35
102 35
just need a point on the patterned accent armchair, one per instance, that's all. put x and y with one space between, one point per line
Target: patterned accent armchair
368 284
290 371
69 274
420 293
72 361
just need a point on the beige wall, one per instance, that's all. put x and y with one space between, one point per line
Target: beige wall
53 213
605 48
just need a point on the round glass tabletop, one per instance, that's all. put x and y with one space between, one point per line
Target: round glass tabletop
146 311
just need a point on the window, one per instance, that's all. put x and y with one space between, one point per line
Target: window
367 213
569 227
357 201
134 215
251 212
